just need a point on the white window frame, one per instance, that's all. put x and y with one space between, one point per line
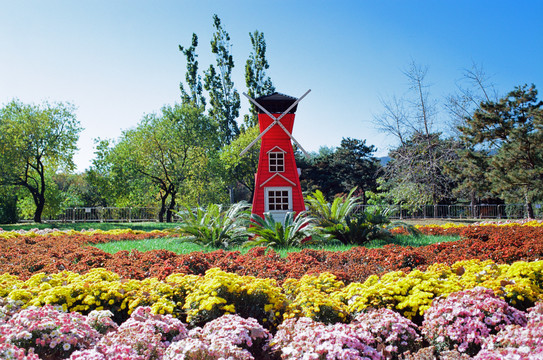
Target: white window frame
278 156
267 198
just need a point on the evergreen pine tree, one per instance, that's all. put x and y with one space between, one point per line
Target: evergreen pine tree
511 128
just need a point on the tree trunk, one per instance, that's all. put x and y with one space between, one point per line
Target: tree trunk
162 208
39 193
472 203
529 210
231 193
171 208
39 200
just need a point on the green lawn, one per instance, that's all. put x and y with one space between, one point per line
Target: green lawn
180 247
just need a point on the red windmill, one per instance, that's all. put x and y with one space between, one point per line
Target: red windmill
277 182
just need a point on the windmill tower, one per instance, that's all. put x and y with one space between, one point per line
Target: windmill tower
277 182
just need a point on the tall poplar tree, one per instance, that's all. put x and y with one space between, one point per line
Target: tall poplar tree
223 97
258 84
194 81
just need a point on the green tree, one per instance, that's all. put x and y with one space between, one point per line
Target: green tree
56 200
512 128
223 97
105 176
76 190
337 172
469 174
161 154
36 139
258 84
194 81
470 169
354 166
241 169
411 179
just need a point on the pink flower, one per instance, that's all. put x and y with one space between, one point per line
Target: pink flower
465 318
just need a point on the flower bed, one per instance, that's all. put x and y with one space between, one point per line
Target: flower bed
27 255
62 299
134 318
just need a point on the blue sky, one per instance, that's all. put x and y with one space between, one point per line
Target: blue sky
117 60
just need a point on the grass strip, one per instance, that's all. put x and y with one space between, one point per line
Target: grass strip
180 247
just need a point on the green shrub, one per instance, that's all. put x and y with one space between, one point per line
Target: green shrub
214 226
295 230
329 214
358 229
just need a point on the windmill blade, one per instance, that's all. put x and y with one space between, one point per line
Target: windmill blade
263 132
260 106
284 112
257 138
294 140
275 121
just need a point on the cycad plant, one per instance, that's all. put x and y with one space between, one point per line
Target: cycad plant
340 219
359 228
214 226
293 232
329 214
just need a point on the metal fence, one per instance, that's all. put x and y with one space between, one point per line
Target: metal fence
104 214
485 211
138 214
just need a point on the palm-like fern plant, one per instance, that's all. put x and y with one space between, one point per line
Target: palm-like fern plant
293 232
214 226
340 220
330 214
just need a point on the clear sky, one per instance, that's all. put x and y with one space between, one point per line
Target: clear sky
117 60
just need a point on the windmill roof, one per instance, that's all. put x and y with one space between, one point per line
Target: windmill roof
276 103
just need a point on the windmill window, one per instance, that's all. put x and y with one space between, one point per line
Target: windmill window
278 200
277 161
